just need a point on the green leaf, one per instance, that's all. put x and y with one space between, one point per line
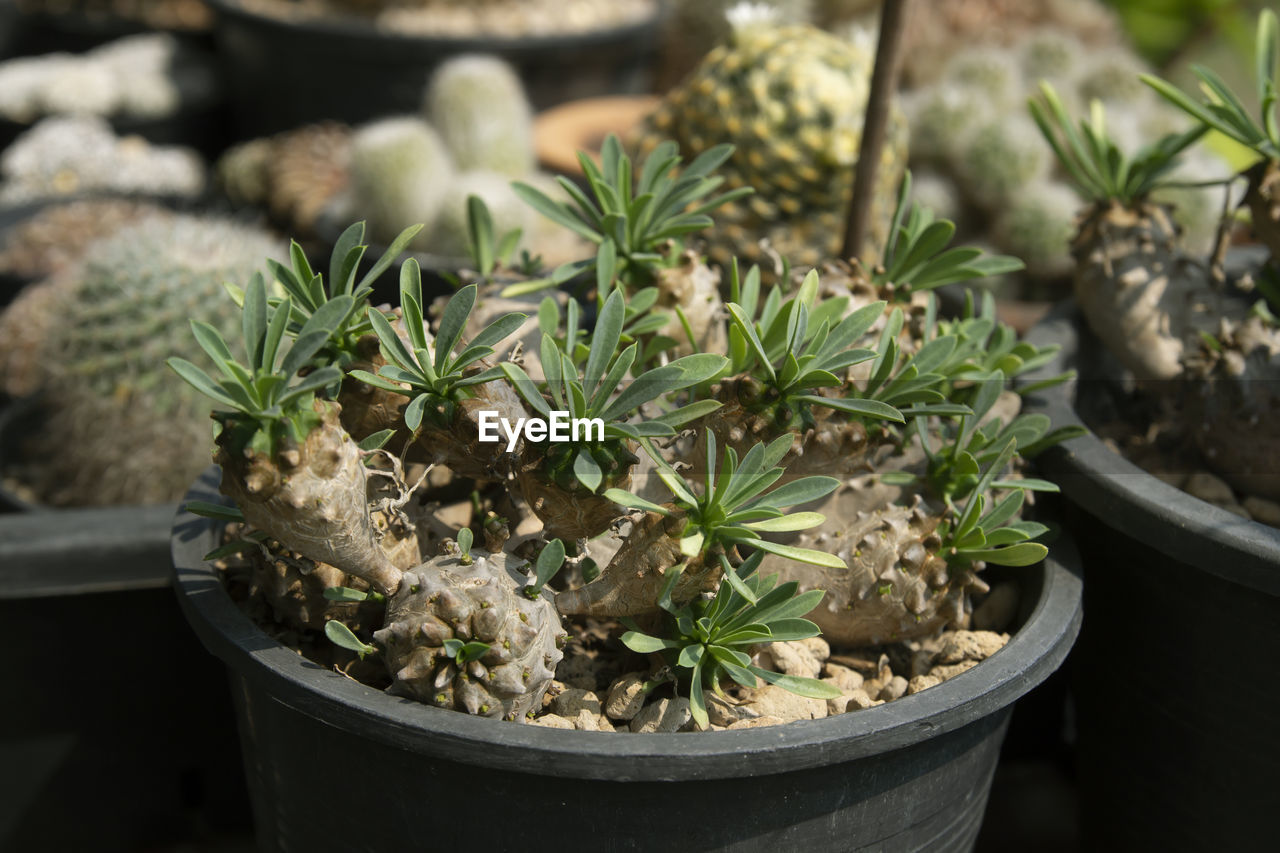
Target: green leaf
344 593
1022 554
340 635
557 213
797 492
604 340
810 688
198 379
645 644
221 512
346 256
465 540
548 563
748 331
254 319
452 323
801 555
627 499
788 523
852 406
587 470
480 239
393 251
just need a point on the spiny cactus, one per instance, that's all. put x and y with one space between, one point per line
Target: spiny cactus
120 427
999 160
460 634
1037 224
400 170
791 100
479 107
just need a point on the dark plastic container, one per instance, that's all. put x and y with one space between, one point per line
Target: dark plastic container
1174 671
283 74
908 775
116 726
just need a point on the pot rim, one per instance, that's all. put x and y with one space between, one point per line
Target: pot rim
1132 501
1032 654
353 28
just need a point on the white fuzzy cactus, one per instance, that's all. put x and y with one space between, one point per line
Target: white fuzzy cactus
999 159
479 106
400 171
1037 227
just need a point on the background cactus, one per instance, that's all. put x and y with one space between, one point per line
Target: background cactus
479 107
969 128
400 170
119 426
69 155
791 100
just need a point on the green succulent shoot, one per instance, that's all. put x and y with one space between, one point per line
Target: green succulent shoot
711 640
640 322
343 637
588 394
990 536
1223 110
797 347
267 400
630 218
731 508
435 378
1096 165
917 257
487 249
308 291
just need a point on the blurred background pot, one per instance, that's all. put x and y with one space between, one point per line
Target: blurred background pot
285 73
1178 594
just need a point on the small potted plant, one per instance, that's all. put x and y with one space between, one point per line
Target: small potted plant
646 502
1178 357
292 63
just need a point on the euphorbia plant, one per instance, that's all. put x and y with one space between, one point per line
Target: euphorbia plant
571 529
1167 315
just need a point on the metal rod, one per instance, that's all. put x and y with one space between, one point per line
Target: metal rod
884 80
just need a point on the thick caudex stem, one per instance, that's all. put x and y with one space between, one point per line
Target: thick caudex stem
312 497
635 577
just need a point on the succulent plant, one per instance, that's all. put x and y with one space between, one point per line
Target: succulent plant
1163 313
999 159
459 634
479 106
1037 227
400 170
125 429
566 484
694 469
713 639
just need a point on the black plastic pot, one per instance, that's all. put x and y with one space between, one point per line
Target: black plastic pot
908 775
1178 746
283 74
116 728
